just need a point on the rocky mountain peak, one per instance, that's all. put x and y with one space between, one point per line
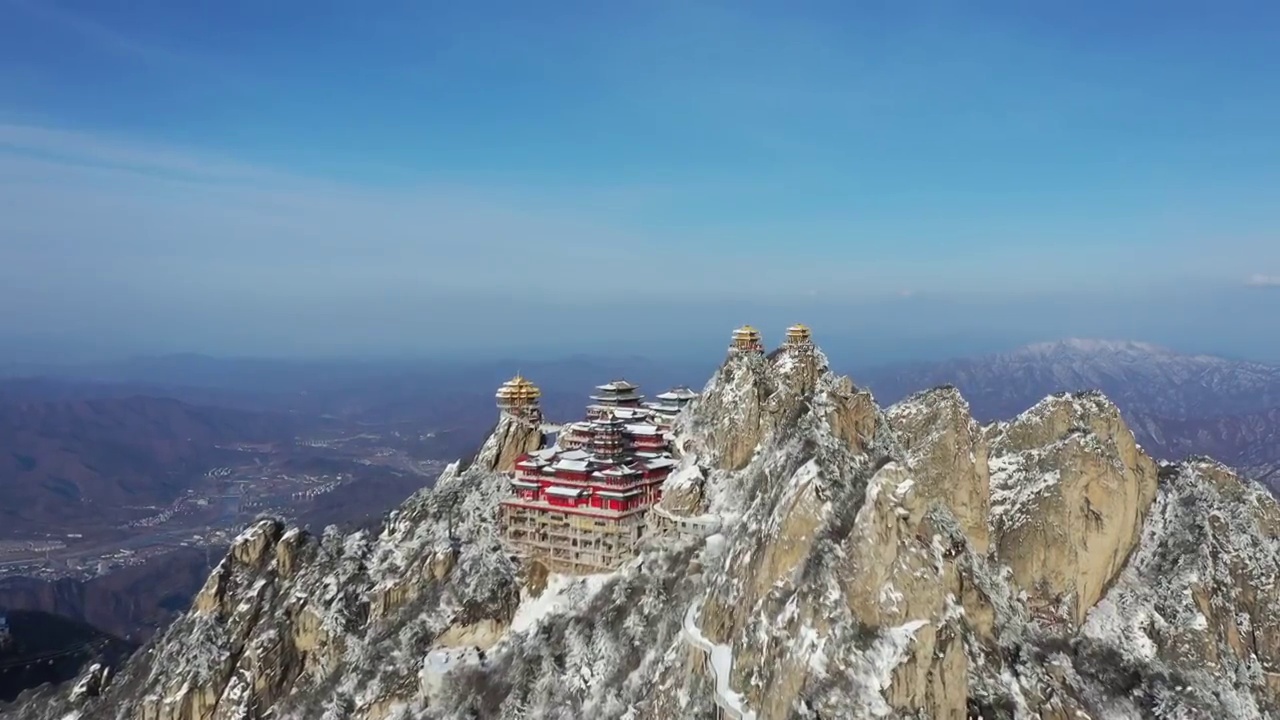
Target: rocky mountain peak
947 449
1070 491
751 397
816 557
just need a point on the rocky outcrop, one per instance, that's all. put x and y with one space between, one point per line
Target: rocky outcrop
948 454
730 417
1199 598
224 623
1070 493
853 415
824 559
754 401
512 437
903 577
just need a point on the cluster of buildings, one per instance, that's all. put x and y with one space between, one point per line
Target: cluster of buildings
746 339
579 506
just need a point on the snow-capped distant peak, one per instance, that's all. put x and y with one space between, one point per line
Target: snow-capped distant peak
1088 346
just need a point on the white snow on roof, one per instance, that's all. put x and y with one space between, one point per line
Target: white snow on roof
618 471
571 465
642 429
525 484
575 455
663 408
564 491
660 462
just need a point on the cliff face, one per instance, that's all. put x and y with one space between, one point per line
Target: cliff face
511 438
1070 494
905 562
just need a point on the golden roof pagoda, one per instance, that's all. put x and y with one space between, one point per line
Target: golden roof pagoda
517 392
798 334
747 338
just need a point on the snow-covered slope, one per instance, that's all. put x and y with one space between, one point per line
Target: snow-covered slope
854 562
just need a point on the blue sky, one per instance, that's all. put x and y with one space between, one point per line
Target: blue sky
300 178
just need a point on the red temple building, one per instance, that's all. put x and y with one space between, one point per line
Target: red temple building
580 506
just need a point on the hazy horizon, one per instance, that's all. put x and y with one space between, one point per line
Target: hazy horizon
915 181
904 329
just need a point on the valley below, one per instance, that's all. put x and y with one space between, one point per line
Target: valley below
118 505
318 479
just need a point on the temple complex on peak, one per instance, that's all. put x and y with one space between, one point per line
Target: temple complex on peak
747 340
580 505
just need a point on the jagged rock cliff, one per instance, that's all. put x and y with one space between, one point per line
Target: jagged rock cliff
905 562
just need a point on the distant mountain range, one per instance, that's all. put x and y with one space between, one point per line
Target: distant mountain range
69 460
437 393
1177 404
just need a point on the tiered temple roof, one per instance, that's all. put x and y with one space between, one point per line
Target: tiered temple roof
799 334
517 393
679 395
617 393
746 339
669 404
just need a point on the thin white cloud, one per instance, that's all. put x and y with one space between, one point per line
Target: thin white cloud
1260 280
121 44
79 148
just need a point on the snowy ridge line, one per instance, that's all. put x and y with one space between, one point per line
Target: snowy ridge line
721 659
